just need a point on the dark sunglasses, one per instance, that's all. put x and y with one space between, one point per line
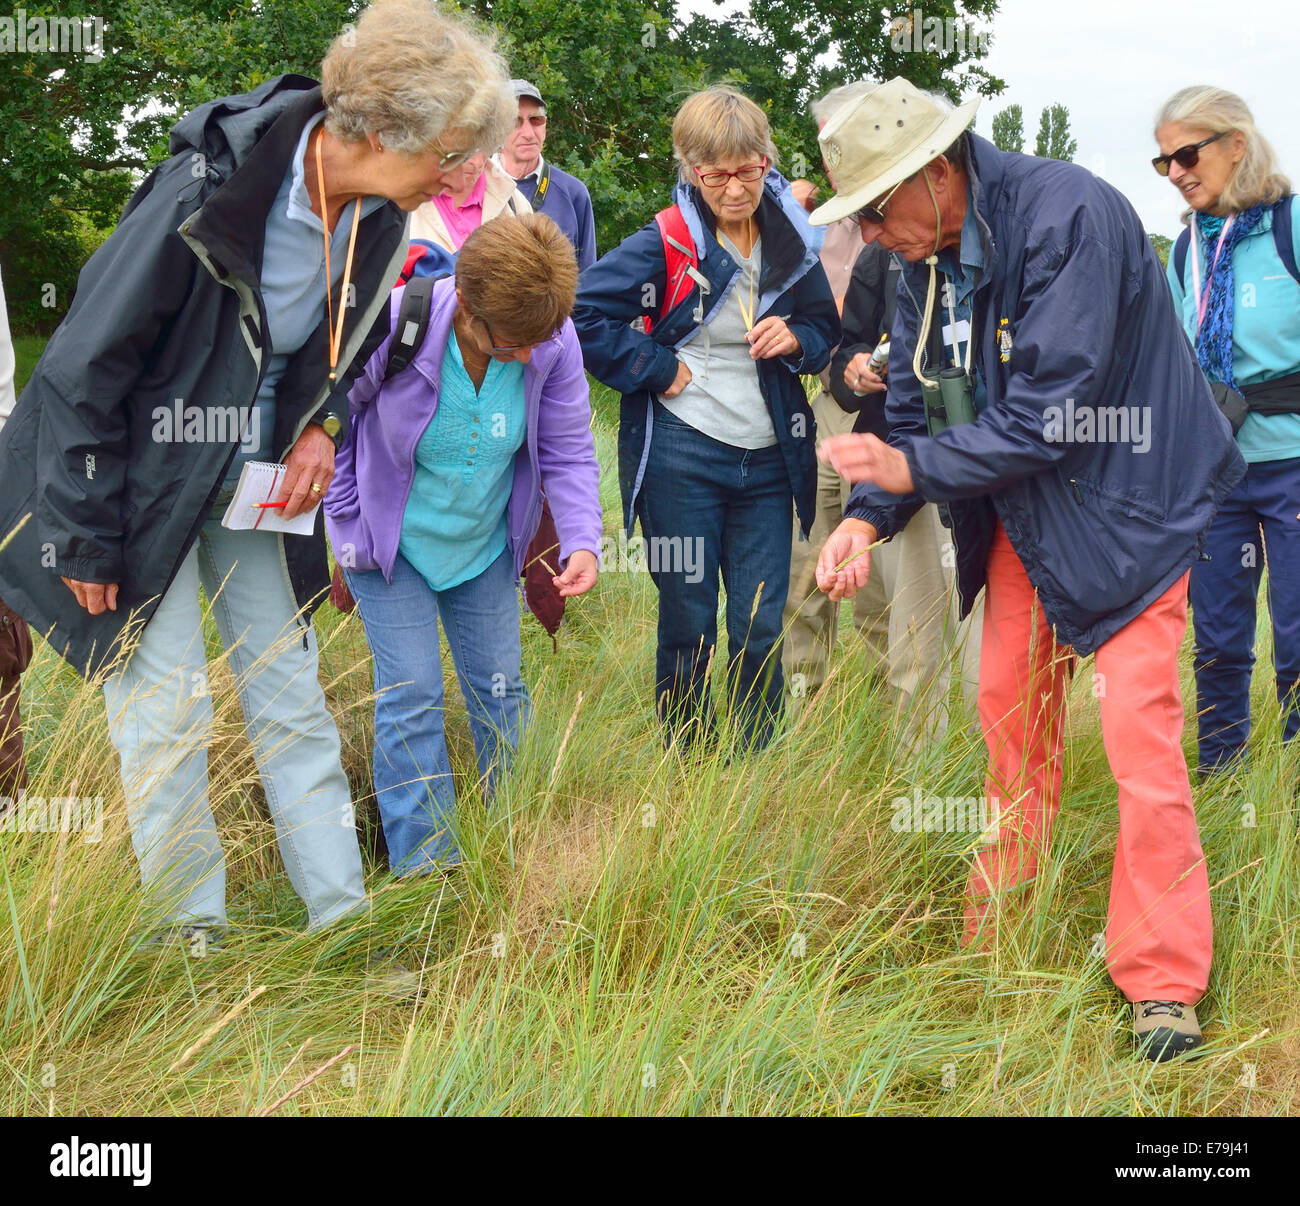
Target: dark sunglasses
875 214
1185 157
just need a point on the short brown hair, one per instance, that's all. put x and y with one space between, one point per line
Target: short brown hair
519 275
719 123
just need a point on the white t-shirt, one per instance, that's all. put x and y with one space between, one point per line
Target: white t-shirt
723 398
7 398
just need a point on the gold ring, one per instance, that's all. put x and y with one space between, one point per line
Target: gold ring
315 489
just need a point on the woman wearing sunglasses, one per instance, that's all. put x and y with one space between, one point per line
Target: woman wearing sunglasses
438 493
1234 279
716 438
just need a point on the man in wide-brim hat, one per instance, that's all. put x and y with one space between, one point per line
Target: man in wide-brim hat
1078 490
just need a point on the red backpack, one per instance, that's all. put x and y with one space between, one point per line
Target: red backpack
680 261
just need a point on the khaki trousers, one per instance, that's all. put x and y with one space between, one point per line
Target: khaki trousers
906 614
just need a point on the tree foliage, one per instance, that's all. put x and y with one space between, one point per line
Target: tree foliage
1054 141
1009 129
1163 245
77 135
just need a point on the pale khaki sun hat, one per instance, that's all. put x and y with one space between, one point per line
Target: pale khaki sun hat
876 142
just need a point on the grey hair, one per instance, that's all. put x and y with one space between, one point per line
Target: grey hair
1256 180
408 72
845 94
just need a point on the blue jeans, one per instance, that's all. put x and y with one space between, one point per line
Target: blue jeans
160 722
708 508
1224 598
413 785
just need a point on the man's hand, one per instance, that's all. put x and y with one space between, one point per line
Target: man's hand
845 561
95 597
858 376
310 463
772 337
680 382
579 575
866 458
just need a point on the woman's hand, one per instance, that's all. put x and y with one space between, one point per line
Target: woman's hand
579 575
680 382
310 463
95 597
772 337
867 458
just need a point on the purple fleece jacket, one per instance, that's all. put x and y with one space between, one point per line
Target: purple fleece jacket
375 467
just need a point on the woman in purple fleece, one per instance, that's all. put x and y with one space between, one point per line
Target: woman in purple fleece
436 496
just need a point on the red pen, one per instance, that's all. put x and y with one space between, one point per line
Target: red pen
263 506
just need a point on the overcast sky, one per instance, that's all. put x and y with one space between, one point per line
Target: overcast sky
1112 63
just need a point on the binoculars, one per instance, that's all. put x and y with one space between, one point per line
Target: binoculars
950 402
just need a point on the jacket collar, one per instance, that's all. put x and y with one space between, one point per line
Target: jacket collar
791 244
232 222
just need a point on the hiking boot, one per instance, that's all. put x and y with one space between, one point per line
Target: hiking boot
1165 1029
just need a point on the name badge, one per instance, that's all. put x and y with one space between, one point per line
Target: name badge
961 331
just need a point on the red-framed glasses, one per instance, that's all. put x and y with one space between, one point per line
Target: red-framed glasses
746 175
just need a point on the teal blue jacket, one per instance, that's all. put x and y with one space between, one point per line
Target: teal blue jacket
1265 331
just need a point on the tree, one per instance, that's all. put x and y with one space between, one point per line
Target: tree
827 42
1054 141
1163 244
78 132
1009 129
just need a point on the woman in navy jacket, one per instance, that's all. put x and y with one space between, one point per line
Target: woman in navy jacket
716 438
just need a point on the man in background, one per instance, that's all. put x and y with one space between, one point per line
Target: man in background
548 189
906 614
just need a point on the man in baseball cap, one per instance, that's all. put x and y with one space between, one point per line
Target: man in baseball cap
1047 397
548 189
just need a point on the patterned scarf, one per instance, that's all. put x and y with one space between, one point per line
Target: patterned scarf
1214 340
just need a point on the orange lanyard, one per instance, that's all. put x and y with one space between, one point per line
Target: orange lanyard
335 330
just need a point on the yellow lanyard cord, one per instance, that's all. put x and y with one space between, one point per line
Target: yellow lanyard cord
335 330
748 314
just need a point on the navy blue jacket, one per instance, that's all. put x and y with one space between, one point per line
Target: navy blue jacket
629 282
568 204
1103 525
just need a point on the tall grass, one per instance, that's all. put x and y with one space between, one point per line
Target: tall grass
633 932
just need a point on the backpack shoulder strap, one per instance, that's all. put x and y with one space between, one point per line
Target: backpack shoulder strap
412 323
1181 244
1284 236
680 257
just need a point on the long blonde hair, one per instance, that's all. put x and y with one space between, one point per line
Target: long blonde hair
1256 180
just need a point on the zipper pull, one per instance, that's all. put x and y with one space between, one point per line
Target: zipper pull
1078 494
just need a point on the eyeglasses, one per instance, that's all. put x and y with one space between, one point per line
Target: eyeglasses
875 214
450 159
746 175
1185 157
536 120
499 349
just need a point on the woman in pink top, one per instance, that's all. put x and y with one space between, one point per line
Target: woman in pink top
477 192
